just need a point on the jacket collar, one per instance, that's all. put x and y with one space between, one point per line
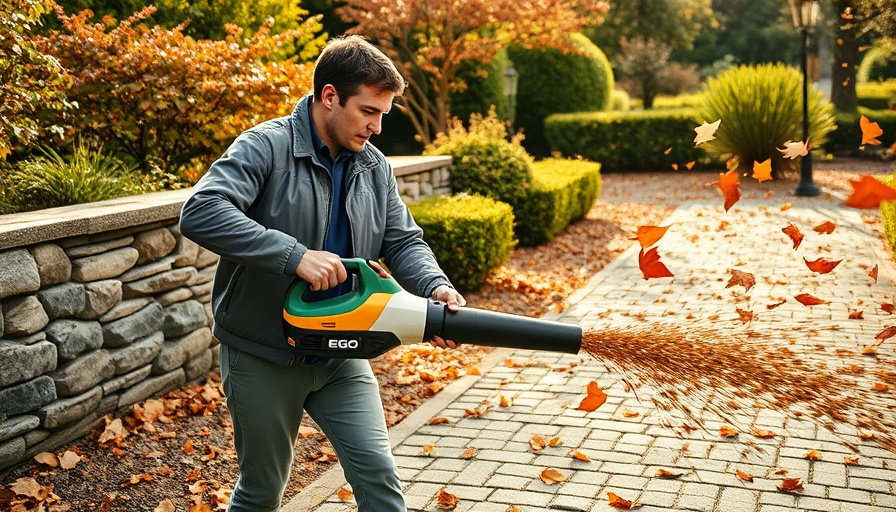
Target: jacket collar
303 142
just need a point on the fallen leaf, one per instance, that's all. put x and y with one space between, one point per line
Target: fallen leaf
791 484
744 279
856 315
165 505
746 477
114 432
870 131
706 132
744 315
595 398
472 370
762 434
551 476
786 206
307 432
649 235
69 460
781 471
812 455
651 266
868 193
888 307
821 265
438 420
727 432
537 442
665 473
428 449
794 233
873 273
825 228
505 402
620 503
188 446
469 453
345 494
776 304
809 300
579 455
630 414
447 500
762 171
478 412
48 459
729 185
879 386
136 479
850 460
796 149
886 334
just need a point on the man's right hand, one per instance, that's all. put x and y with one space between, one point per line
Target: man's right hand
323 270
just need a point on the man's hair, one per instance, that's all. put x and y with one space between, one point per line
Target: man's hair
349 62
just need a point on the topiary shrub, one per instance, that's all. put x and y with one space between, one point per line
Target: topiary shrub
877 64
562 191
846 139
644 140
620 101
485 162
470 235
761 109
552 82
485 89
888 213
877 95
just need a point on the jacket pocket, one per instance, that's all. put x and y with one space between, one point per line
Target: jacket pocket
231 289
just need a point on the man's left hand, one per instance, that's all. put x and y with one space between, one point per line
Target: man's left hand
454 300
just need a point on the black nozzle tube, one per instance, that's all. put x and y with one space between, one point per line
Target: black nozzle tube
493 329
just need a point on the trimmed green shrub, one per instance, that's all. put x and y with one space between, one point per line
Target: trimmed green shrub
629 141
470 235
761 108
485 162
620 101
878 63
552 82
52 180
485 89
877 95
680 101
562 191
888 213
847 137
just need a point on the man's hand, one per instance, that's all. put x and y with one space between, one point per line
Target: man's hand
323 270
453 300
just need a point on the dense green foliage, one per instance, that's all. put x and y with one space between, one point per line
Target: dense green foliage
877 95
485 162
52 180
552 82
484 89
631 141
470 235
878 64
562 191
761 109
888 214
847 138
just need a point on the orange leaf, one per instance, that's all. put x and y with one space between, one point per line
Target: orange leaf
886 334
537 442
821 265
551 476
786 206
744 279
791 484
825 228
596 397
617 502
873 273
762 171
794 233
870 131
188 446
808 300
448 500
649 235
868 193
469 453
888 307
812 455
781 472
579 455
856 315
850 460
879 386
651 266
728 184
746 477
665 473
438 420
345 494
690 165
762 434
727 432
428 449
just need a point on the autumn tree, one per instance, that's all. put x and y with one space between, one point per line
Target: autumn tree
430 39
165 98
29 79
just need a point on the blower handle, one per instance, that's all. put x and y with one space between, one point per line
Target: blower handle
372 278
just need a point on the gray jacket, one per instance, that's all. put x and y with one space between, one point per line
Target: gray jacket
266 201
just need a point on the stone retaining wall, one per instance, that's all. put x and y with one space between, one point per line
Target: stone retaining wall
105 305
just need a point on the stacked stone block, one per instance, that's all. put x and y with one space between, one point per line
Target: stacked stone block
420 185
93 324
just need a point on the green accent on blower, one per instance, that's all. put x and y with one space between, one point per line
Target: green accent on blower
369 282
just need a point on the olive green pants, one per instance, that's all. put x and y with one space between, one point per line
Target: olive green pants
266 403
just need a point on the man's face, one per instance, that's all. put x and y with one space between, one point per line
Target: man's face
350 126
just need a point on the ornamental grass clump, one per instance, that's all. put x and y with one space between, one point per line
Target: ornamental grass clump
761 108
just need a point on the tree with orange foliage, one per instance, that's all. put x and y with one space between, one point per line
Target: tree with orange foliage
429 39
167 99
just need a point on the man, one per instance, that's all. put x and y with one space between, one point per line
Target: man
289 198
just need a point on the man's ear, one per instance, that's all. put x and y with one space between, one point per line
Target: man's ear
329 95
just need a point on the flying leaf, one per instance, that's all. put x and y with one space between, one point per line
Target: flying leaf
620 503
690 165
809 300
579 455
825 228
651 266
727 432
886 334
792 149
596 397
791 484
649 235
762 171
728 184
344 494
551 476
706 132
744 279
870 131
812 455
762 434
868 193
873 273
668 150
447 500
794 233
732 163
821 265
665 473
746 477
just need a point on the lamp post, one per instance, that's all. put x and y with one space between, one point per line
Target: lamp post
805 16
511 80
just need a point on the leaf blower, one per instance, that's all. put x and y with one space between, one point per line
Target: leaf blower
378 315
